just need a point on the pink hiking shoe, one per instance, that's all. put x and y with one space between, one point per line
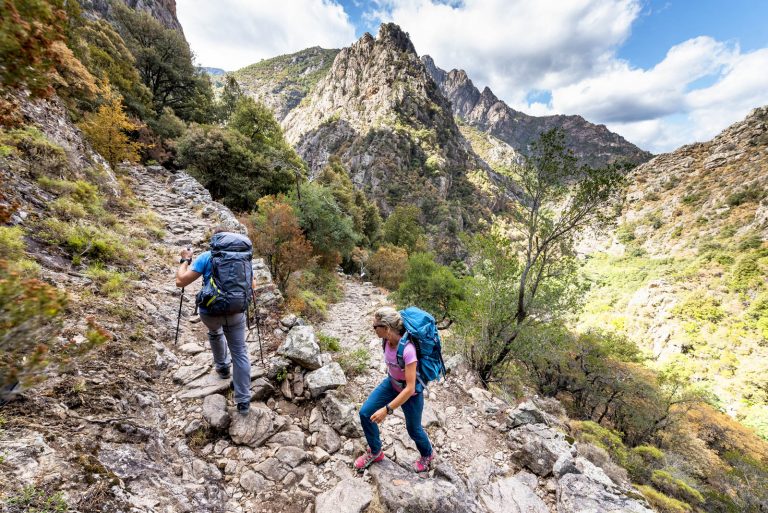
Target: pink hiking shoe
368 459
423 463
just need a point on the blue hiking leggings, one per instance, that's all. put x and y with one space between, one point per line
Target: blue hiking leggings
412 408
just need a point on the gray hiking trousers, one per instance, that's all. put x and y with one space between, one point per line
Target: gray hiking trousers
229 331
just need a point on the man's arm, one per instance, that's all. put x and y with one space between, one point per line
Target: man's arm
185 275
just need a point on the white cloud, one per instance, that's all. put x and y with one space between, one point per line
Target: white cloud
569 49
514 46
230 34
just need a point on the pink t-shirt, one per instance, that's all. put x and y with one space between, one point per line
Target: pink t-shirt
390 357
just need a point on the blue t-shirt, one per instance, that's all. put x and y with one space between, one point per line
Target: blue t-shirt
202 265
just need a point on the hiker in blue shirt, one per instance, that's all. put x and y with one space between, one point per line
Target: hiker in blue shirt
225 330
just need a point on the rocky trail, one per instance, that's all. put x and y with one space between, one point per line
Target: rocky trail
155 431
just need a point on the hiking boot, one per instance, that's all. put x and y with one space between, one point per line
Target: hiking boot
368 459
243 408
223 373
423 463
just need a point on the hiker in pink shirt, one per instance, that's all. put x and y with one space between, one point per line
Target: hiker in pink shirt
397 390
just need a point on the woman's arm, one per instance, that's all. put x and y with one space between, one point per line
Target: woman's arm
403 396
185 275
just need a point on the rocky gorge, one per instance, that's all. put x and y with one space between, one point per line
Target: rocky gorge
144 426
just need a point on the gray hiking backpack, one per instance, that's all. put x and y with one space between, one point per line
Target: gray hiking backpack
228 291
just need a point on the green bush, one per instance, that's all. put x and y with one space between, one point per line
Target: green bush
745 195
354 362
747 274
625 233
77 196
699 307
12 244
677 488
45 157
35 500
328 343
30 319
642 461
110 283
84 240
663 503
431 286
605 438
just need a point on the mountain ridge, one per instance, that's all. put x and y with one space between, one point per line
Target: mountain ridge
594 145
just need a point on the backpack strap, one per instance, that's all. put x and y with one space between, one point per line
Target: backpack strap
401 360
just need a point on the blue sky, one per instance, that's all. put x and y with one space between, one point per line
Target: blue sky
662 73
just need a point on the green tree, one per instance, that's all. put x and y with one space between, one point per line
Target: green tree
275 157
431 286
104 53
403 228
230 96
224 164
330 231
536 257
164 61
364 213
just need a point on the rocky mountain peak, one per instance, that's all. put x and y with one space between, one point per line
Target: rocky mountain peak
162 10
392 34
593 144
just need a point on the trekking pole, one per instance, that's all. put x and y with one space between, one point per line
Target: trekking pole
258 335
178 319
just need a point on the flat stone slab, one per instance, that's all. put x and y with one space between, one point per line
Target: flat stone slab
191 348
189 373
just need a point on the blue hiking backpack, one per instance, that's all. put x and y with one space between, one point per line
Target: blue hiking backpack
421 331
228 291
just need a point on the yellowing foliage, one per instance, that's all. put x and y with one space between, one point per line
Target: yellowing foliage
107 128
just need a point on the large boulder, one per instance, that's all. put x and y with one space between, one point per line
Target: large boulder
327 439
348 496
537 447
301 347
215 411
342 416
577 493
511 495
525 413
402 490
255 428
328 377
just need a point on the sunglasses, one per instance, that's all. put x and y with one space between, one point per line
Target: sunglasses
378 326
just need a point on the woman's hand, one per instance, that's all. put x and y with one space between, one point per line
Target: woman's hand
379 416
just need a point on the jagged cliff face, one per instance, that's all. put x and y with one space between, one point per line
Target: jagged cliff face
696 192
685 271
162 10
594 145
379 111
283 82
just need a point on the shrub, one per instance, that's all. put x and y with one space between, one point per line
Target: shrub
625 233
84 240
36 500
12 244
594 433
328 343
663 503
745 195
45 157
747 274
354 362
699 308
431 286
403 228
678 488
111 283
642 461
29 321
388 265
